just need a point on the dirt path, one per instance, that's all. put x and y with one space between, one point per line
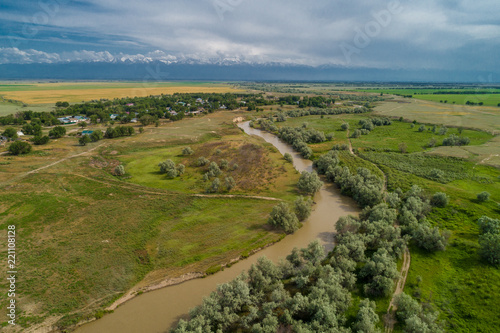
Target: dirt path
390 317
64 159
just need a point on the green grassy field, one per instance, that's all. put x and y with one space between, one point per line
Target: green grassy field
85 236
457 282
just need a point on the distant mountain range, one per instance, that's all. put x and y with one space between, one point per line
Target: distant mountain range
161 71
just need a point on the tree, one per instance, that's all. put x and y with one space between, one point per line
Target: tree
440 199
146 120
19 147
202 161
367 318
181 168
96 135
288 157
223 164
344 126
356 134
309 182
82 124
41 140
119 170
84 139
421 128
489 225
282 217
303 208
168 167
407 307
483 196
57 132
187 151
10 132
93 119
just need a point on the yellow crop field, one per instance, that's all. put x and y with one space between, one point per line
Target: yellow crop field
49 93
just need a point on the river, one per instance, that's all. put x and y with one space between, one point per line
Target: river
158 310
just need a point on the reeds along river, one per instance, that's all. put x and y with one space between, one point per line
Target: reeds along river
158 310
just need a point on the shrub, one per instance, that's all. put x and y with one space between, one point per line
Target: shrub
483 196
223 164
187 151
229 183
490 248
288 157
488 225
356 134
344 126
119 170
421 128
440 199
202 161
214 187
19 147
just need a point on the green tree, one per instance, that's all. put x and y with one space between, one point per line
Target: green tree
489 225
309 182
367 318
41 140
283 217
57 132
421 128
344 126
84 139
490 248
10 132
181 168
19 147
82 124
213 169
288 157
303 208
96 135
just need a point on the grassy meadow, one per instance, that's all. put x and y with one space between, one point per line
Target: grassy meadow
86 236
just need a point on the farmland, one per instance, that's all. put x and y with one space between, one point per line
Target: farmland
76 92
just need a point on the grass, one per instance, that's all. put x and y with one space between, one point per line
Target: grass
75 92
473 117
85 236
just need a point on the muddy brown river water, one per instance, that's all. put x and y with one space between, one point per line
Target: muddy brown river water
158 310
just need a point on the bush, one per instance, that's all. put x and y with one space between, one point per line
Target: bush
96 135
19 147
344 126
483 196
288 157
119 170
214 187
356 134
187 151
440 199
202 161
421 128
488 225
282 217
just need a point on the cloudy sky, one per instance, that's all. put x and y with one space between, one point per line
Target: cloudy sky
444 34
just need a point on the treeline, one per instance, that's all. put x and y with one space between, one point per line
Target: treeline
326 111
